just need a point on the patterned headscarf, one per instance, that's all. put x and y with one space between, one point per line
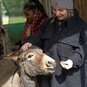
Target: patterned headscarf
33 27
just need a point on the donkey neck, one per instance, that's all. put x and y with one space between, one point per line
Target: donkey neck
27 81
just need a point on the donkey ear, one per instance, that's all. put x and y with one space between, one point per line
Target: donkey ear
13 55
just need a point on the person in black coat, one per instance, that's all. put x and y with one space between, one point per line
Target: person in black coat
64 38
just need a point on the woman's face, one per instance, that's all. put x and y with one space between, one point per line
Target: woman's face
30 14
60 13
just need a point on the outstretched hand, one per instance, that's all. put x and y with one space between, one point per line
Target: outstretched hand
67 64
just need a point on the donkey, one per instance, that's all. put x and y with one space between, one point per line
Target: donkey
29 64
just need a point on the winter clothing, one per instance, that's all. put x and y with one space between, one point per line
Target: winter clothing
34 27
38 21
67 41
31 28
68 4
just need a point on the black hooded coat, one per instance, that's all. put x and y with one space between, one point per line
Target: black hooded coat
67 41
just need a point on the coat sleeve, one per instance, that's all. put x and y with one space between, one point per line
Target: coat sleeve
78 56
36 39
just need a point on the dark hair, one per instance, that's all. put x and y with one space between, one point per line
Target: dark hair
33 4
30 6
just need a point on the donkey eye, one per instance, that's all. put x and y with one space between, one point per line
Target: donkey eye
29 56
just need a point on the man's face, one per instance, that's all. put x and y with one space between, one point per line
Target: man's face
60 13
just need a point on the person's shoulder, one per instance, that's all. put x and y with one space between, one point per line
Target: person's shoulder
83 24
78 18
81 21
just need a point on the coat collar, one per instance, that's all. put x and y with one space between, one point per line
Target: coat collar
72 19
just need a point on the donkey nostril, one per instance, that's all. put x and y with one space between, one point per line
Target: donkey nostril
49 64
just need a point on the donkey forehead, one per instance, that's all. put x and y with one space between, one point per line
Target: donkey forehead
37 52
33 54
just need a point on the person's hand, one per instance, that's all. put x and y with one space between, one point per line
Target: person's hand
26 46
67 64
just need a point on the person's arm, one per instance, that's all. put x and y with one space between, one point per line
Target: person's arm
78 56
32 40
35 39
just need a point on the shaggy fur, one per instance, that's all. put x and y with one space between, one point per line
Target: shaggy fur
29 64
